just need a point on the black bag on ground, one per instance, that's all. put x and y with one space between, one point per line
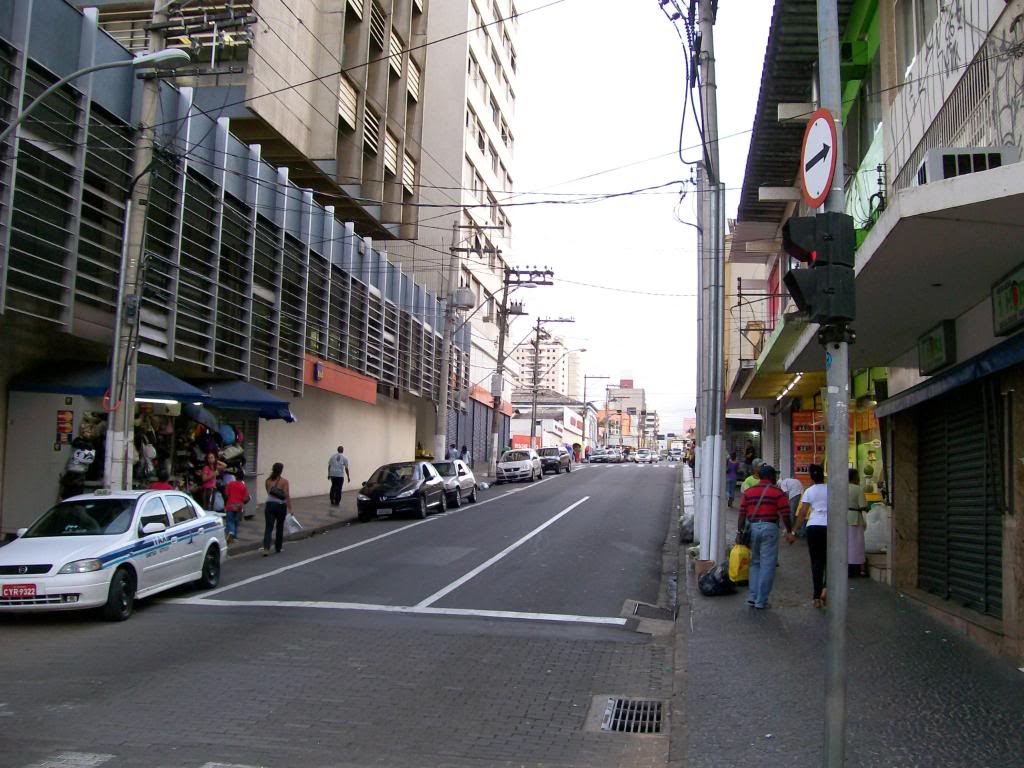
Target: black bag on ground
715 581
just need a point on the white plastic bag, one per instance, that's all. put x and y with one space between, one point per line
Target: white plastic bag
218 501
876 537
291 525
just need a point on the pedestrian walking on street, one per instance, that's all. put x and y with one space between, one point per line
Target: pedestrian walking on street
764 505
453 453
337 471
236 496
753 478
279 504
794 489
814 510
212 467
856 526
732 476
464 455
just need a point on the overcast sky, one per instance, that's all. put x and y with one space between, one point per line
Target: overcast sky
601 86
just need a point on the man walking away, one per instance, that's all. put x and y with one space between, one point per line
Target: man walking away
453 453
337 472
764 505
794 489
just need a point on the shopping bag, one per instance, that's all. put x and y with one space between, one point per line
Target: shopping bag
739 564
291 525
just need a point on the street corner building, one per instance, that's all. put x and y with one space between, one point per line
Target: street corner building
262 316
932 131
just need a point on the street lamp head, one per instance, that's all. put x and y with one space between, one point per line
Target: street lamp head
169 58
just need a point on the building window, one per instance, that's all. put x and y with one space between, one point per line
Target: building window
914 20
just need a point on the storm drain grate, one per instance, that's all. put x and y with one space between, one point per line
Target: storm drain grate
632 716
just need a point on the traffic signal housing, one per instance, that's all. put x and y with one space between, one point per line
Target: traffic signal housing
826 243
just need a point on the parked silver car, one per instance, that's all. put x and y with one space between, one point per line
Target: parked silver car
459 481
519 464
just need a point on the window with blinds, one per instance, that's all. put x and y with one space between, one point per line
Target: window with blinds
348 101
390 153
413 81
371 131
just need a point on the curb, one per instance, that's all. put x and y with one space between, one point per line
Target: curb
305 533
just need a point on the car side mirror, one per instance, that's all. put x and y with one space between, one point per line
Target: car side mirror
364 483
150 528
21 532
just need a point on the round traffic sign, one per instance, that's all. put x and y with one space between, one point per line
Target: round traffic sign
818 158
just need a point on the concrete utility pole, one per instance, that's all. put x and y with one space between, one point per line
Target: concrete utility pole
712 252
125 351
441 416
835 339
512 278
536 370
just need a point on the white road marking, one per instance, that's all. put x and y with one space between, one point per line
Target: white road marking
358 544
74 760
485 565
410 609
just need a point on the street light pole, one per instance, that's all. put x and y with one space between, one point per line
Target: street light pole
536 370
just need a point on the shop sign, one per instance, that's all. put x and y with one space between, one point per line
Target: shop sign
1008 302
937 348
65 427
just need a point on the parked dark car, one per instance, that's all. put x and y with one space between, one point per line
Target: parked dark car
459 481
403 487
554 460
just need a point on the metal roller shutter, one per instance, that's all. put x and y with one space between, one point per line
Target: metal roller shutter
960 501
481 433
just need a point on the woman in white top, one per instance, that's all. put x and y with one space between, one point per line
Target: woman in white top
814 509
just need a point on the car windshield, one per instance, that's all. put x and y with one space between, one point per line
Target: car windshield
446 468
395 473
516 456
87 517
547 452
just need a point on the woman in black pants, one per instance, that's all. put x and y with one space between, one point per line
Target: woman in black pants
279 504
814 509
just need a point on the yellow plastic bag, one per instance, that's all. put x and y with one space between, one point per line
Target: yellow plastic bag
739 564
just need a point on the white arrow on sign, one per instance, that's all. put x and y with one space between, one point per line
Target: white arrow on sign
818 158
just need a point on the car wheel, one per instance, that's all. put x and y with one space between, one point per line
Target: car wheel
364 517
442 505
458 498
568 467
210 576
421 512
558 469
472 494
120 596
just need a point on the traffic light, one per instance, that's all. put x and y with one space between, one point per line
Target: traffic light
826 242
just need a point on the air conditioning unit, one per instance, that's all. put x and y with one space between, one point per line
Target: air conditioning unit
949 162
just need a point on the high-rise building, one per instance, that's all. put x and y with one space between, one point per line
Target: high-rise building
558 367
466 173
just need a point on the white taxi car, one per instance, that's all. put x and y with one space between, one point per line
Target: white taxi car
108 548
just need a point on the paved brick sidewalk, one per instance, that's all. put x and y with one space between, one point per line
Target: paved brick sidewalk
919 694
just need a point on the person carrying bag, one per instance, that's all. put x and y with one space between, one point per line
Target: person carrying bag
277 508
762 507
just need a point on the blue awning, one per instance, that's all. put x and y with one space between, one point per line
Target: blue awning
998 358
243 396
94 381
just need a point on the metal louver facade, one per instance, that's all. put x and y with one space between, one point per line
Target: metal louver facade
961 497
243 274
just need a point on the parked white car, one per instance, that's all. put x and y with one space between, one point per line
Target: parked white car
519 464
107 549
459 481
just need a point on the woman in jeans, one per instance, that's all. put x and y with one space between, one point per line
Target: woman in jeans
814 509
279 504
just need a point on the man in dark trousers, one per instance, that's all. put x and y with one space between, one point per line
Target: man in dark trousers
337 472
764 505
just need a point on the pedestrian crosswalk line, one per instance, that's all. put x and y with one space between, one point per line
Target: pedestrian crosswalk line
73 760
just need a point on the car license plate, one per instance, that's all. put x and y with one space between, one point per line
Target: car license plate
19 590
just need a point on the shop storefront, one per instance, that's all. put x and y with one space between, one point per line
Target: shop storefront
56 437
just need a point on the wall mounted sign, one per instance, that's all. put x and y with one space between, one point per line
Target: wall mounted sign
937 348
1008 303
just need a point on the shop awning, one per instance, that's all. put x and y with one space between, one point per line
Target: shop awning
94 381
998 358
243 396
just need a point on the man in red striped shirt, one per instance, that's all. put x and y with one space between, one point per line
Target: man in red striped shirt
763 506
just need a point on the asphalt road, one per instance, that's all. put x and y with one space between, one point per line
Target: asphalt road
489 636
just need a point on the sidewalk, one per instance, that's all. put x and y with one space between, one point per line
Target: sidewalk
751 683
314 512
